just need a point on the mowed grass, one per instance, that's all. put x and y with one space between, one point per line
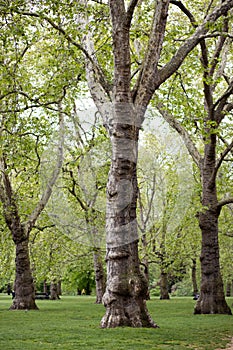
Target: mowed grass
73 323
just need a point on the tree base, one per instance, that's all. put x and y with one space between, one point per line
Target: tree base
23 305
206 305
127 313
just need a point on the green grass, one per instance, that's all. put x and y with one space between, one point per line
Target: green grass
73 323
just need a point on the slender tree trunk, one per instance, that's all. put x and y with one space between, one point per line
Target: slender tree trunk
54 291
23 286
44 287
99 275
212 298
194 277
164 294
145 263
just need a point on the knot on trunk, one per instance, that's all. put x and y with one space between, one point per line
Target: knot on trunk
108 299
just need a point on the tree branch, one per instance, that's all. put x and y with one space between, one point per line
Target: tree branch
48 190
221 102
224 202
96 68
130 11
185 11
146 83
191 42
183 133
220 160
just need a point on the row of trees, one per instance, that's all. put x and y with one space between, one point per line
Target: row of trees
131 55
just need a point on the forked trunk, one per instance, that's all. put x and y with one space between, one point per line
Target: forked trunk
126 289
99 275
164 293
23 286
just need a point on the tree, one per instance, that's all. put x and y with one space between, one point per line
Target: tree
19 158
209 124
122 103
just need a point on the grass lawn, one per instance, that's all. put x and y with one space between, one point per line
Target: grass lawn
73 323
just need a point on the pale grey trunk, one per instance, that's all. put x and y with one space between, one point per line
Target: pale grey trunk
126 288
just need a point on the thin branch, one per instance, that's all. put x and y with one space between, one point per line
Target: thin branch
48 190
221 40
220 160
222 100
130 11
192 41
224 202
98 71
185 11
183 133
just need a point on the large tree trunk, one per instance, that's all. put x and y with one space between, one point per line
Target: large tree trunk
212 298
126 288
23 286
164 293
99 275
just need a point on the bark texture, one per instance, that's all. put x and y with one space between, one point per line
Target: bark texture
126 289
23 286
164 293
212 298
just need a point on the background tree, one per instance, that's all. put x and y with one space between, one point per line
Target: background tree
23 135
208 121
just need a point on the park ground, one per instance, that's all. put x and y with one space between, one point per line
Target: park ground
73 323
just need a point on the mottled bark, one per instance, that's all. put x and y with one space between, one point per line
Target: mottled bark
126 290
164 293
212 298
99 275
127 287
23 286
